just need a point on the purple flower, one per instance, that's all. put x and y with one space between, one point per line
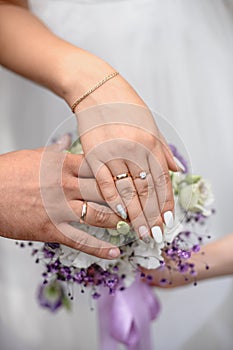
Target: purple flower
196 248
179 157
182 268
96 295
185 254
53 245
51 295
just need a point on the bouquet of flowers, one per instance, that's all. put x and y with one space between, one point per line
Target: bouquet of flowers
126 300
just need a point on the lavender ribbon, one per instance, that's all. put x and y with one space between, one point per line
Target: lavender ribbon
125 317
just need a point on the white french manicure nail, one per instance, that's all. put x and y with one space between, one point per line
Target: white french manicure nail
179 164
121 211
144 234
157 234
168 219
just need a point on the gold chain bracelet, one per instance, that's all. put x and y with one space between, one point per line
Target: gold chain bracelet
100 83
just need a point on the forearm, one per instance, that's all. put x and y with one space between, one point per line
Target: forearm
30 49
218 256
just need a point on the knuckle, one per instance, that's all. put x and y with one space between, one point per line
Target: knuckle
151 190
108 190
151 140
146 190
65 183
167 203
163 179
111 196
104 183
101 216
82 240
128 192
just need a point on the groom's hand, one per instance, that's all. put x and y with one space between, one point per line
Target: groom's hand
43 191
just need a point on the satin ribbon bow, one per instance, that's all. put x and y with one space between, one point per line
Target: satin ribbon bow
125 317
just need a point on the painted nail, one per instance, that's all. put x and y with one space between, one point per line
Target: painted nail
168 219
144 234
157 234
121 211
179 164
113 253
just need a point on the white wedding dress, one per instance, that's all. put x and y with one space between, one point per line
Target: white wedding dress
178 55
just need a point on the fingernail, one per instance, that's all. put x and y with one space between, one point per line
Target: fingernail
179 164
144 234
113 253
63 141
157 234
168 219
121 211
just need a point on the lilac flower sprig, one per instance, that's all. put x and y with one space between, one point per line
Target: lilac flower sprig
177 257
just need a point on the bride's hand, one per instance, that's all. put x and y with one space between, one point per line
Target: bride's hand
41 195
122 138
70 72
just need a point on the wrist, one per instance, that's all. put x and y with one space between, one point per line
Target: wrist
80 71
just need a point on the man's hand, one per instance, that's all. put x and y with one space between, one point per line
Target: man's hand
41 195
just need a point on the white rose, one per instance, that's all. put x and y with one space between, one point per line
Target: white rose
84 260
148 255
73 257
170 235
176 179
196 196
68 255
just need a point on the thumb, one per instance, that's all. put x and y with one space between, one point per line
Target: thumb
63 143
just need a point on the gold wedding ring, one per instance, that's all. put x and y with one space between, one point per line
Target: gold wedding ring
83 213
121 176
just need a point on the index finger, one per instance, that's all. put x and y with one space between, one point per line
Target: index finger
80 240
78 166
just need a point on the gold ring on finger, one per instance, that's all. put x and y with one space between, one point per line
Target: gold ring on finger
121 176
83 213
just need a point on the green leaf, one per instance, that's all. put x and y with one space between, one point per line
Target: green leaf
192 179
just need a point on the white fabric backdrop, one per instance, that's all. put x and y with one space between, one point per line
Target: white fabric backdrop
178 55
